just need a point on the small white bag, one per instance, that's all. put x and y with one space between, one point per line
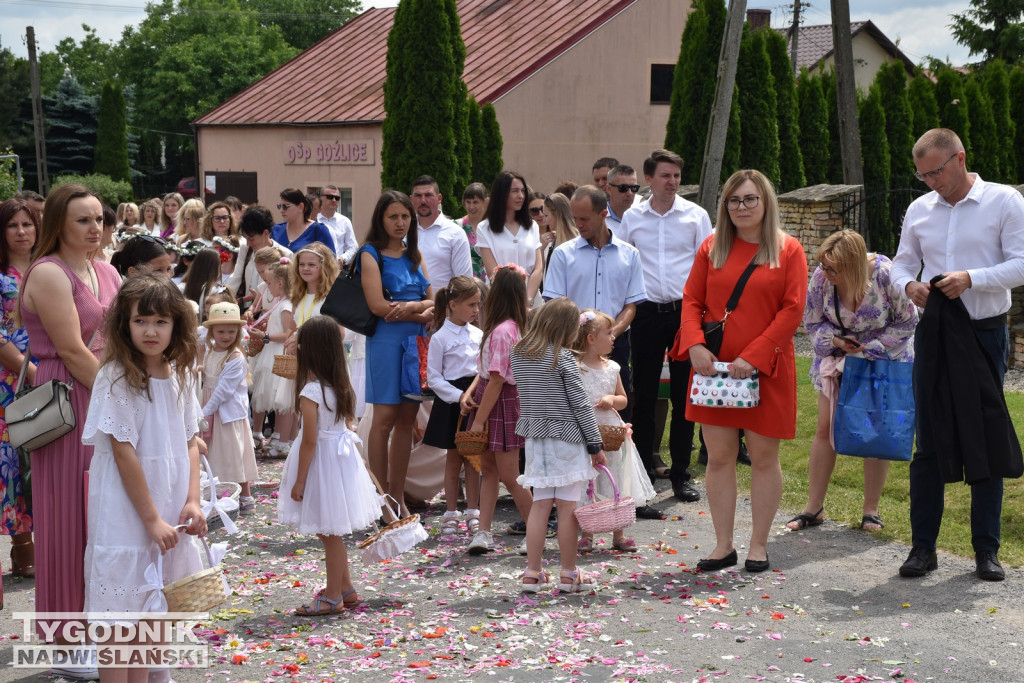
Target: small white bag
722 391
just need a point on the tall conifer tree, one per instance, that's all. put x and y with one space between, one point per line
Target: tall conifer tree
985 151
875 155
924 108
1017 114
892 89
791 163
759 129
111 152
813 127
997 87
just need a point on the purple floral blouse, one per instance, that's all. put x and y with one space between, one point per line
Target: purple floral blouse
884 322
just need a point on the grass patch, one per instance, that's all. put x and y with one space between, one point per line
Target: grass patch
845 497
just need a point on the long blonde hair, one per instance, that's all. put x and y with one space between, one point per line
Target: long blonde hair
194 209
561 214
328 273
555 325
849 256
772 235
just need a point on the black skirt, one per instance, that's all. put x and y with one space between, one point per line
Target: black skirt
444 419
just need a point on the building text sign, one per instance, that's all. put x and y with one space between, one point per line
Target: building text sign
329 152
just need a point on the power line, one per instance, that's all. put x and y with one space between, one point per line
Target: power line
134 9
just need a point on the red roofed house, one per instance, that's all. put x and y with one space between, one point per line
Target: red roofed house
571 81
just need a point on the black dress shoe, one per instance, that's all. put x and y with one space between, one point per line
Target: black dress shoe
686 493
711 565
989 568
647 512
755 566
920 562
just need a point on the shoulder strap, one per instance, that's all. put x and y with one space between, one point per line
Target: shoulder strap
737 291
244 286
839 317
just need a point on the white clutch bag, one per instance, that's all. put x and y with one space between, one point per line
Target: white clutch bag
722 391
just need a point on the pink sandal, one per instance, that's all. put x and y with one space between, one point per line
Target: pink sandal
574 581
585 544
624 545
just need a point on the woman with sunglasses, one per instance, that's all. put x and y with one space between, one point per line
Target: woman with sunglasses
298 230
851 309
509 235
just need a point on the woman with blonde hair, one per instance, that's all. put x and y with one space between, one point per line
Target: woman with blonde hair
758 339
149 218
190 222
851 309
169 207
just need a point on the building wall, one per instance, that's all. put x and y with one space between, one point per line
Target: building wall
268 151
868 57
593 100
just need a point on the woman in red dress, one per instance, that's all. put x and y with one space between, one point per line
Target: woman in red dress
758 336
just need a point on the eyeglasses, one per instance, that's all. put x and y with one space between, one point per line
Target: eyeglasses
221 218
624 188
932 175
536 210
829 270
284 207
748 202
332 197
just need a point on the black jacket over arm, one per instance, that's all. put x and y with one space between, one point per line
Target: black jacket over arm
961 410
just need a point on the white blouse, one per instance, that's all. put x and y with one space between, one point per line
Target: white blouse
520 248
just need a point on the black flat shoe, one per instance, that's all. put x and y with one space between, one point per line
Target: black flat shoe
712 565
648 512
755 566
988 566
919 562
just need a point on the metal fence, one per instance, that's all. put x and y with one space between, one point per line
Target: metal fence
879 217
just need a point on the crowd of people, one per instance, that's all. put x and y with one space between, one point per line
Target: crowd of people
536 319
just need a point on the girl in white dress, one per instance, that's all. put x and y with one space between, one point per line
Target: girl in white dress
231 454
144 475
277 315
604 388
325 489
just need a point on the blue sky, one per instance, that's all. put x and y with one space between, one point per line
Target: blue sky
919 26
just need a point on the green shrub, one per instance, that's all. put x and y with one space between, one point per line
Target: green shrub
111 192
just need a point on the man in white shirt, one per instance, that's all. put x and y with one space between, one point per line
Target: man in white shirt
255 228
972 233
443 244
621 190
345 244
667 231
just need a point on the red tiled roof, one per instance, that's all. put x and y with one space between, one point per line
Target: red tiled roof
339 79
815 43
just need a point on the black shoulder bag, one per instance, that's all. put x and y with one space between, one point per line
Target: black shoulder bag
346 301
715 330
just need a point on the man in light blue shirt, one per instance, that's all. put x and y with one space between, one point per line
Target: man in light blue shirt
598 270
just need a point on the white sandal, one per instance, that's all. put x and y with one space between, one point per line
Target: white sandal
577 583
542 579
473 521
450 523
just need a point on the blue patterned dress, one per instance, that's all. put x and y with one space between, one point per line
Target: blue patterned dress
16 516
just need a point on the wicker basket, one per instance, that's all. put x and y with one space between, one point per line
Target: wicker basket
606 516
470 444
255 345
612 436
199 592
224 489
285 366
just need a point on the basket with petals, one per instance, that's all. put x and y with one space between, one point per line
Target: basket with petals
612 436
400 535
606 516
285 366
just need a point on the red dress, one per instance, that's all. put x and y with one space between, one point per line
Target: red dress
760 330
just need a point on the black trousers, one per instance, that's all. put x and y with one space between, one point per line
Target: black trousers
620 354
927 490
653 334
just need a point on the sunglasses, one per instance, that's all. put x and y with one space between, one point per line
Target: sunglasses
536 210
150 238
626 188
335 197
284 207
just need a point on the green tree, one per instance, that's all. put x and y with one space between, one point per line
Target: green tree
476 136
997 87
460 118
791 163
71 137
302 22
111 152
92 62
491 162
835 153
892 88
111 192
875 156
984 147
992 28
693 85
1017 114
954 110
813 127
399 87
14 83
8 176
759 132
421 138
731 153
924 108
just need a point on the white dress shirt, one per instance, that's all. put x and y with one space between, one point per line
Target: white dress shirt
520 248
452 355
667 244
248 270
345 245
982 234
445 250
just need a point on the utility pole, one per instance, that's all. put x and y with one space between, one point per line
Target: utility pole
846 94
794 36
718 124
42 177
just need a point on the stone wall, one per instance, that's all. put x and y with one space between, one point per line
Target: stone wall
811 214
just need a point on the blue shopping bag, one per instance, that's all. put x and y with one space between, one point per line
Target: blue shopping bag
875 412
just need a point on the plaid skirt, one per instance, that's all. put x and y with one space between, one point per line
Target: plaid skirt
501 423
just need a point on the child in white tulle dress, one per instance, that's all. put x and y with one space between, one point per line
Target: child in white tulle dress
277 316
604 388
325 488
142 421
